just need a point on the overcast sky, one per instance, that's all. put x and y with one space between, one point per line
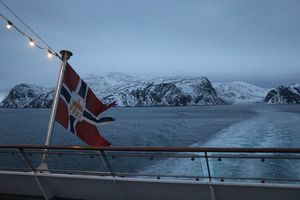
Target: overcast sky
256 41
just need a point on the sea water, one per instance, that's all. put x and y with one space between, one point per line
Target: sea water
253 125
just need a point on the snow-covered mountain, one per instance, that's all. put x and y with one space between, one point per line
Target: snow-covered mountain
166 91
115 86
44 100
23 94
284 95
240 92
127 91
176 91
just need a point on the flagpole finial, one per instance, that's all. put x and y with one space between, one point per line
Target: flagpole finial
66 54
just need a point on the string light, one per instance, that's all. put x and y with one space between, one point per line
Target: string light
50 54
31 42
9 25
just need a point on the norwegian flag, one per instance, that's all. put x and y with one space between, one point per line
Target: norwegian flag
78 109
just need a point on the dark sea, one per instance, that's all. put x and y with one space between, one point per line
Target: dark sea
253 125
229 126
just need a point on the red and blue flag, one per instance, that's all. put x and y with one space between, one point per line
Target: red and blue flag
78 109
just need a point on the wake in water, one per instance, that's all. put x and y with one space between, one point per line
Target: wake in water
270 128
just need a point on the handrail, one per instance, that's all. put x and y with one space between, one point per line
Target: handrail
209 157
157 149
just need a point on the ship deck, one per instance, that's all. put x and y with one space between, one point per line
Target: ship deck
72 172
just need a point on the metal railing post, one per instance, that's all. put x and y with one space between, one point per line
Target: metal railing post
207 166
25 159
120 193
47 194
108 167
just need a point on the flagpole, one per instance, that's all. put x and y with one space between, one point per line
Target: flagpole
65 55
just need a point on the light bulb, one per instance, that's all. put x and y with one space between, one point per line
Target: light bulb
31 42
9 25
50 54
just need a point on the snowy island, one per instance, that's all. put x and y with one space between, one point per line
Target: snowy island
168 91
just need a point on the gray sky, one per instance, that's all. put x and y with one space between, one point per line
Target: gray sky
256 41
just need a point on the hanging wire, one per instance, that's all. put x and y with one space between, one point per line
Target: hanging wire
22 21
32 42
24 34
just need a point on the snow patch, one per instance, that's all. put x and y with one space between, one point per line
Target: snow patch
240 92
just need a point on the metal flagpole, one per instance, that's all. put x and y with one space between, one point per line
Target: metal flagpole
65 57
